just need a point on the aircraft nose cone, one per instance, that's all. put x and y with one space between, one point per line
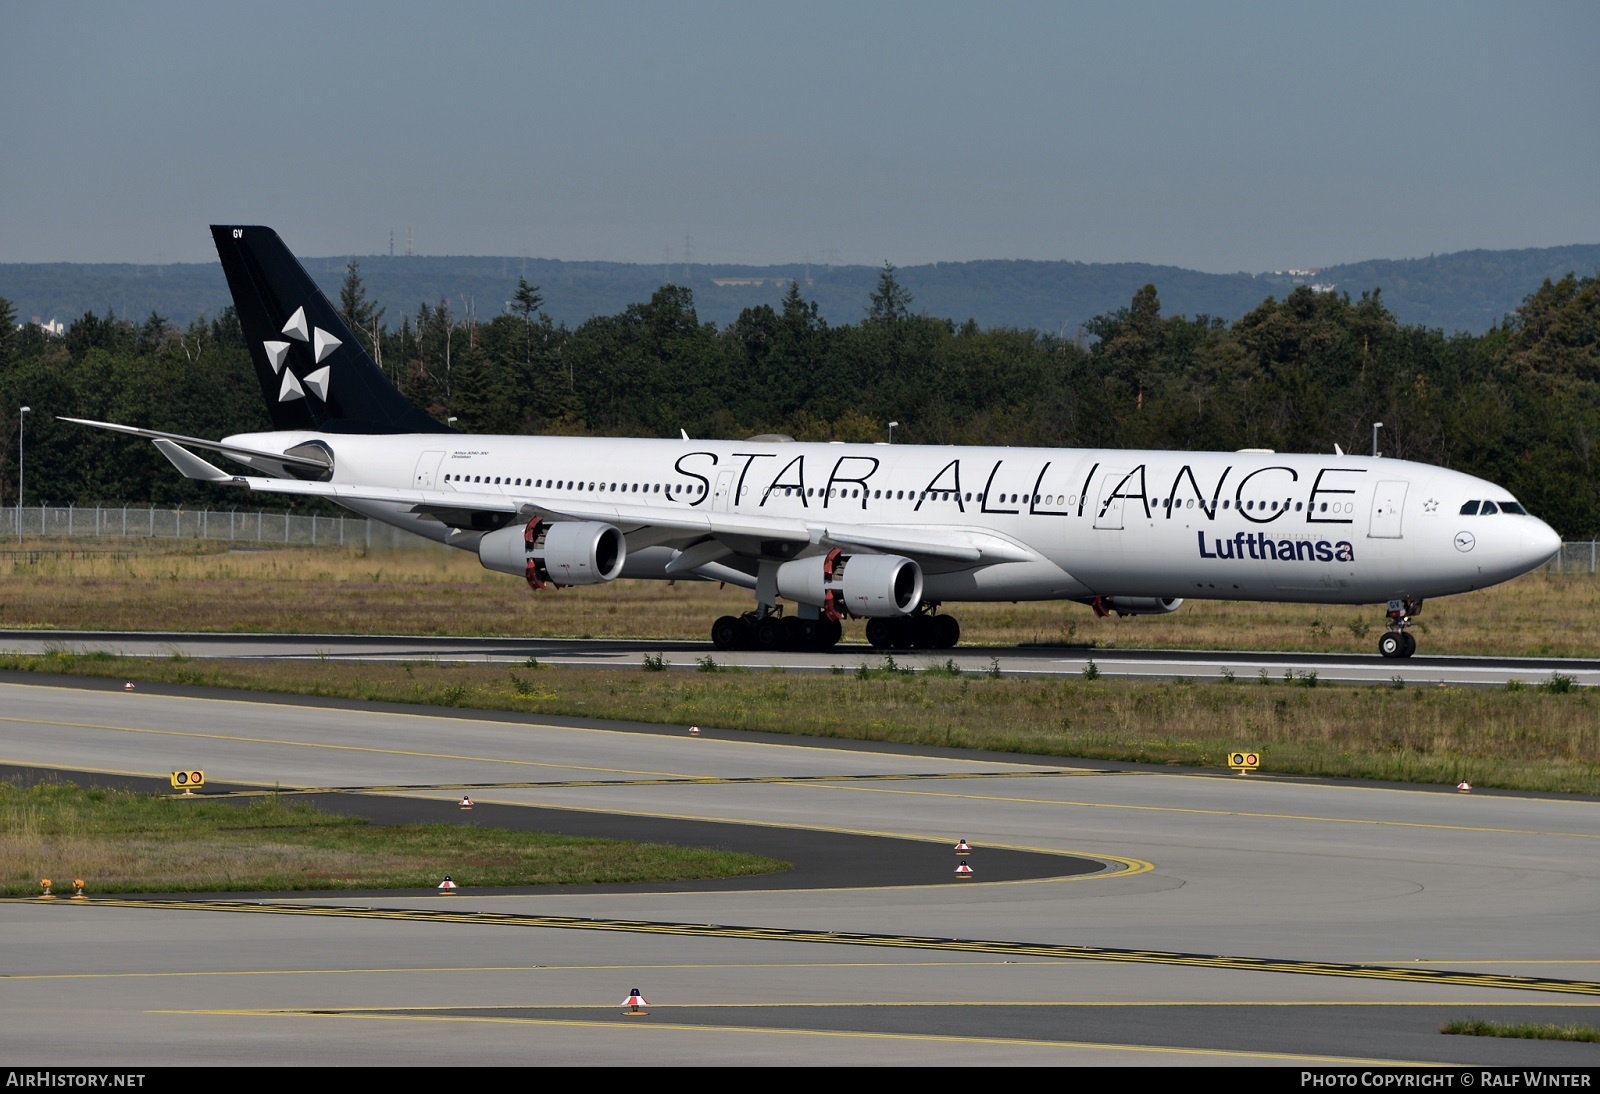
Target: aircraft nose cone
1540 544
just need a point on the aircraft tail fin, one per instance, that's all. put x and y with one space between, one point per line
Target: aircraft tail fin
314 374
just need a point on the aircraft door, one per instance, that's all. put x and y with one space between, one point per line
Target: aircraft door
428 470
1108 509
722 494
1388 508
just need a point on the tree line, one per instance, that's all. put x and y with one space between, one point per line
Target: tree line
1519 405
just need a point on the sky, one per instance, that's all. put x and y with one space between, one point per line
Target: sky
1222 136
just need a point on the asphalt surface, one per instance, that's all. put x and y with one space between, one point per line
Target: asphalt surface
1421 669
1227 921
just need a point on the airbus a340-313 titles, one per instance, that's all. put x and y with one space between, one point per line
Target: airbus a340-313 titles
886 533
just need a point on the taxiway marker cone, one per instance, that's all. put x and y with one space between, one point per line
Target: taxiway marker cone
636 1003
963 847
963 871
1464 786
694 731
128 686
466 802
447 887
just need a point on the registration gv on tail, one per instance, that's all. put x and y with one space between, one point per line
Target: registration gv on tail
824 532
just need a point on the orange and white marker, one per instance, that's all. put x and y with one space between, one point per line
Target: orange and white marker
636 1003
963 871
466 802
1464 786
694 731
447 887
963 847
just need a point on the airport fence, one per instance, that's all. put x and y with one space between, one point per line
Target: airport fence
294 529
266 529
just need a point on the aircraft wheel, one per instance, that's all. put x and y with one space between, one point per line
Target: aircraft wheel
1408 643
725 633
770 633
829 631
799 634
1390 644
946 632
880 632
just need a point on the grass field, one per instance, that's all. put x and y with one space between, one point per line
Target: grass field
182 587
119 841
1542 737
1478 1027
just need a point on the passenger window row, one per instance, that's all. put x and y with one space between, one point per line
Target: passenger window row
699 490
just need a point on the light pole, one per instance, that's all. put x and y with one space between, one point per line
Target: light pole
1375 427
891 431
21 418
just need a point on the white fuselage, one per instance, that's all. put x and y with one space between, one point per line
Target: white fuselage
1101 522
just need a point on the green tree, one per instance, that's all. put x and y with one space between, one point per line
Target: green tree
890 301
8 331
360 313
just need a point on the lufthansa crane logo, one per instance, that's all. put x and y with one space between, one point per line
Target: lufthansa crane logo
1465 541
322 344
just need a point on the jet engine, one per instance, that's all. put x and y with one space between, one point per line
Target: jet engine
874 586
1135 605
576 552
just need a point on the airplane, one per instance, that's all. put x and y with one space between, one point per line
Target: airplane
822 532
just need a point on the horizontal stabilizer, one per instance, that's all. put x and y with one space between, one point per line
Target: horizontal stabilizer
192 466
244 455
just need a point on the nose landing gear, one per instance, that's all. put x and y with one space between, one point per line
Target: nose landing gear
1398 641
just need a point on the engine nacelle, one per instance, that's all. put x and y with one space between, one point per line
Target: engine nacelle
1135 605
874 586
569 552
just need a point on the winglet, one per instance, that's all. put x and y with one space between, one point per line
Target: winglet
192 466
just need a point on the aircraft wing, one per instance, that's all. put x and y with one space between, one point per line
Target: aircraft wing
955 544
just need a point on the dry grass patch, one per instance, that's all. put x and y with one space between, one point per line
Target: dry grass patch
326 590
119 841
1479 1027
1544 737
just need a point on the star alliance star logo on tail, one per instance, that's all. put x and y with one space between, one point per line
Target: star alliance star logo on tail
322 344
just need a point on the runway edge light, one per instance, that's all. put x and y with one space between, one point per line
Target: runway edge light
447 887
635 1004
1244 762
188 781
963 847
466 802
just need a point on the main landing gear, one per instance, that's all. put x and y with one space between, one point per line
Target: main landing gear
921 630
768 630
1397 641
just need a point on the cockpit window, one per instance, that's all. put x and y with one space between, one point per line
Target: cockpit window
1513 507
1489 507
1470 509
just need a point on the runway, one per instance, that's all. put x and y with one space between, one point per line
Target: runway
1215 920
686 656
